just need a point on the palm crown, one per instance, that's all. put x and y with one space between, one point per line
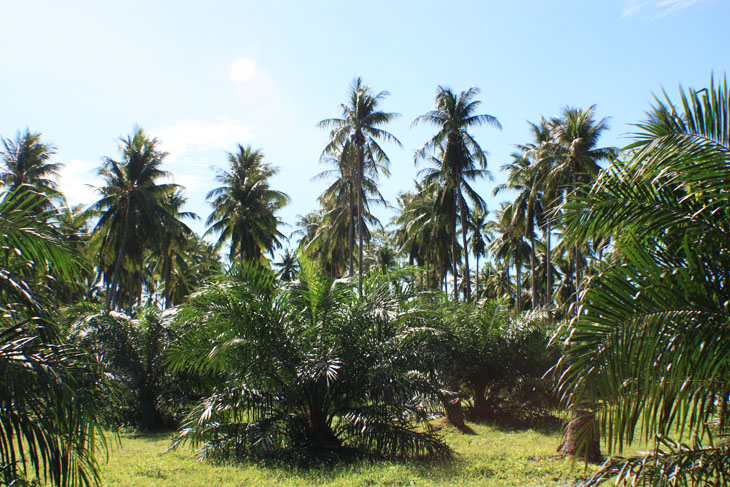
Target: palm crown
245 206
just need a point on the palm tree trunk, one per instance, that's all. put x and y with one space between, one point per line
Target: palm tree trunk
577 276
454 259
507 277
351 236
360 157
518 300
548 267
467 274
111 297
168 279
533 289
476 291
112 294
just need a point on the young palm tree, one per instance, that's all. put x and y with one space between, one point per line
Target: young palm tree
314 369
50 392
360 124
245 206
134 205
652 344
462 157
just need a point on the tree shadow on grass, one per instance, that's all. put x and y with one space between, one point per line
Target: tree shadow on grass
520 419
364 469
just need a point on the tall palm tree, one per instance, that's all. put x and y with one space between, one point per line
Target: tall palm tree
478 222
344 159
360 123
25 162
288 266
462 157
174 243
245 206
544 189
423 230
576 156
509 245
193 262
134 204
339 199
522 177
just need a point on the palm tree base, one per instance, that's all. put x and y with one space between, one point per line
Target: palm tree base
582 440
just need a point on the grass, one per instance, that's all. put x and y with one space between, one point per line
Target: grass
491 457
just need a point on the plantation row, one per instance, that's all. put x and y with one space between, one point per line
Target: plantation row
118 314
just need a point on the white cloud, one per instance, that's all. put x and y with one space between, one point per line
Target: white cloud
243 69
655 8
186 137
191 182
78 180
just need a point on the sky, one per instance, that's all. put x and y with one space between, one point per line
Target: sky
203 77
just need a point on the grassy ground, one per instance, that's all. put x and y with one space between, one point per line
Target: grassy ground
491 457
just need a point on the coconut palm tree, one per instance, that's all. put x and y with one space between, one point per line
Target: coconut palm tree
288 266
245 206
509 245
478 223
576 157
652 343
339 204
193 261
25 162
522 176
423 230
133 207
174 243
462 157
360 124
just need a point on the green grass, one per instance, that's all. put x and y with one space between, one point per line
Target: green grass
491 457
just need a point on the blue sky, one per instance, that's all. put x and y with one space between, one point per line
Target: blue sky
204 77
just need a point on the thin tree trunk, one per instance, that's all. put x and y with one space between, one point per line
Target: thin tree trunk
168 279
351 240
467 274
476 291
131 292
454 258
577 276
139 290
360 163
111 297
112 294
533 289
518 276
548 268
509 281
